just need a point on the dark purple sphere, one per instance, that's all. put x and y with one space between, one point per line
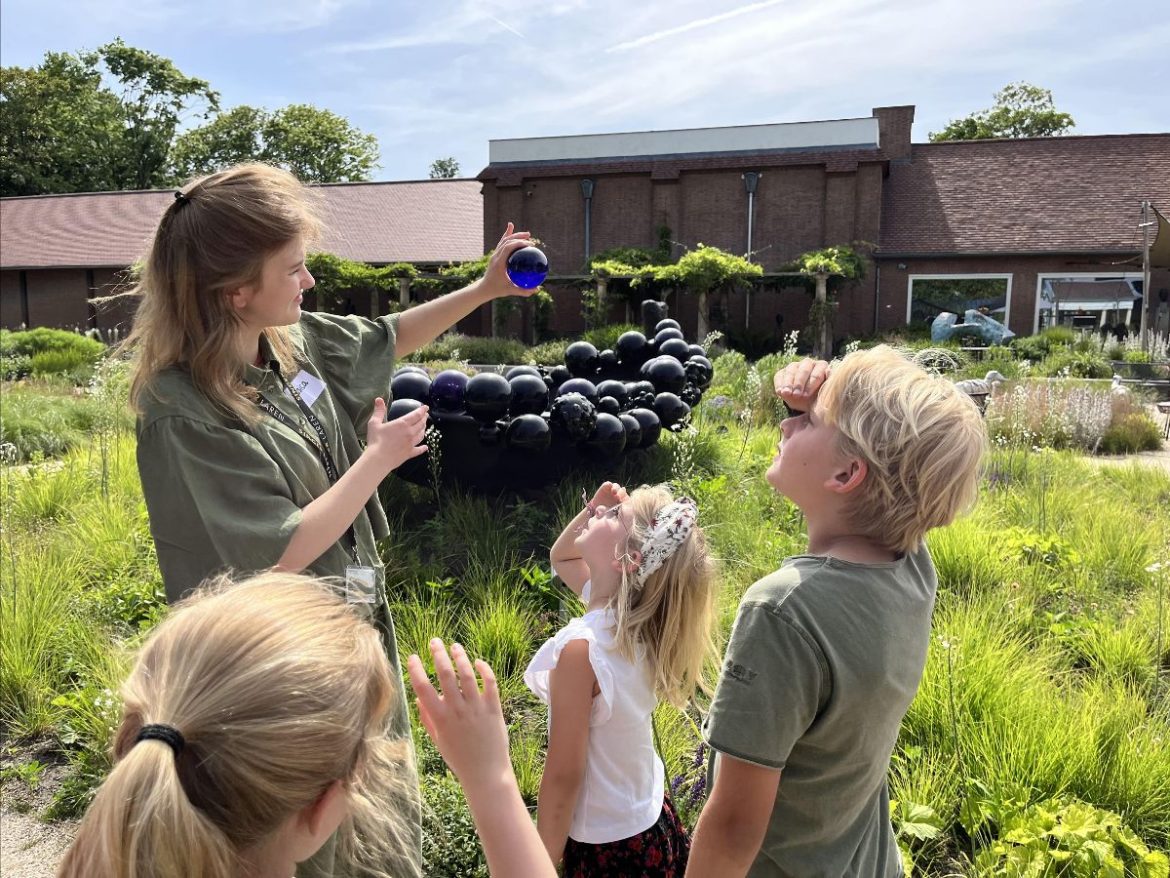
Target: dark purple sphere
448 391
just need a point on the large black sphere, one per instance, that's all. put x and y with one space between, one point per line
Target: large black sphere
697 350
668 323
447 391
582 359
529 394
671 410
632 349
608 437
641 394
557 376
633 429
666 374
401 407
616 389
409 384
528 433
699 371
573 415
666 334
583 386
412 367
607 362
675 347
691 395
522 370
487 396
650 424
609 405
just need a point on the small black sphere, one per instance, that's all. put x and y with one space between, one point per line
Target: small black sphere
528 433
675 347
557 376
668 323
671 410
530 395
633 430
607 363
410 384
691 395
697 350
522 370
666 334
666 374
641 394
699 371
583 386
582 359
573 415
616 389
401 407
609 405
632 349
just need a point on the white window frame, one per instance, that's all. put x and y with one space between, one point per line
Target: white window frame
1007 312
1074 275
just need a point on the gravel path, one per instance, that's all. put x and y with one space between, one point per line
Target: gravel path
30 847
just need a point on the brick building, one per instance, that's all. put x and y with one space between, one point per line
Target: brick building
1016 213
59 252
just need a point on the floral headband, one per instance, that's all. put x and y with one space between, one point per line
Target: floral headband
668 530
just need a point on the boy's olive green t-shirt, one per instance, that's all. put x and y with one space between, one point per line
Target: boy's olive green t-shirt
823 661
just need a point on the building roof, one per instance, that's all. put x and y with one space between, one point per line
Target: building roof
1036 195
428 221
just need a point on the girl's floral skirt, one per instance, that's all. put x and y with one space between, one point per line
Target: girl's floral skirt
659 852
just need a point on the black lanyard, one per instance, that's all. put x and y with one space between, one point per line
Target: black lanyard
320 444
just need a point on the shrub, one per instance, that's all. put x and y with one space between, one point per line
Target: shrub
606 336
1075 364
45 351
472 349
1051 414
1129 432
550 353
451 848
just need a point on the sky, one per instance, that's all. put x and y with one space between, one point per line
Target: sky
443 77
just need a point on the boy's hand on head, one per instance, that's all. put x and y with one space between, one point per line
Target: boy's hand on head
395 442
797 384
495 278
465 722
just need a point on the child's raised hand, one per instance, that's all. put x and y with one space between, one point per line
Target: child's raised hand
395 442
495 278
797 384
609 495
466 724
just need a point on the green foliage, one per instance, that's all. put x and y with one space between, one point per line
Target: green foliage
338 278
1129 432
709 269
839 260
1036 347
472 349
316 145
549 353
604 337
451 848
1066 362
444 169
1020 110
43 352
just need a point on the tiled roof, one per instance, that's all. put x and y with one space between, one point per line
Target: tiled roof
1042 195
430 221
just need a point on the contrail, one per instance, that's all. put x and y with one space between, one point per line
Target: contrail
691 25
505 26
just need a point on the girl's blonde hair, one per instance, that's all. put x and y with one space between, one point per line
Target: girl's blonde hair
279 690
213 239
922 438
671 613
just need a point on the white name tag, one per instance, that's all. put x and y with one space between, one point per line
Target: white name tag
308 386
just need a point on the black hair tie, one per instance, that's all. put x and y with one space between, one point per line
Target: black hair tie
169 735
181 198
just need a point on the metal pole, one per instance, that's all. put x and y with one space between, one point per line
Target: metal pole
1145 321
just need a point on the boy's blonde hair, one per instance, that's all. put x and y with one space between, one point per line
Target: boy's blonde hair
671 613
279 690
921 437
216 237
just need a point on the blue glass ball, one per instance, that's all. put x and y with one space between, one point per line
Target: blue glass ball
527 268
448 390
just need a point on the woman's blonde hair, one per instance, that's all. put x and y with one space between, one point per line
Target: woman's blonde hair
921 437
670 615
279 690
213 239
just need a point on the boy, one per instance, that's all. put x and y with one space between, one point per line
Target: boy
827 652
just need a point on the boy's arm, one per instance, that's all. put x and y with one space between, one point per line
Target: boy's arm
734 820
571 688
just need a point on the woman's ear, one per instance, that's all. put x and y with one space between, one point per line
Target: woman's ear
239 297
629 562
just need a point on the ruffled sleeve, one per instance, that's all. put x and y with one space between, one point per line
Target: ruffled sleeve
537 675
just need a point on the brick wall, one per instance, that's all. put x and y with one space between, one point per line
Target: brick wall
11 312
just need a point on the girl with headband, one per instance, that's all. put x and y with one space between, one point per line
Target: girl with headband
640 563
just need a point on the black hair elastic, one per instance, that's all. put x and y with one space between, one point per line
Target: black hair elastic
181 198
169 735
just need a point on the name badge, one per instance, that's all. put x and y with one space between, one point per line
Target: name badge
361 585
308 386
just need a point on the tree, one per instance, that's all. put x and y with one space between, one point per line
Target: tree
444 169
820 265
60 130
707 270
318 146
63 130
1021 110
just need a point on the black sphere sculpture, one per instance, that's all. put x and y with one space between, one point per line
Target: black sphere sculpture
641 394
583 386
616 389
557 376
633 429
607 361
691 395
582 359
401 407
529 434
529 394
608 437
409 384
667 334
522 370
632 349
573 415
448 390
609 405
487 397
668 323
651 426
697 350
671 411
666 374
675 347
699 371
